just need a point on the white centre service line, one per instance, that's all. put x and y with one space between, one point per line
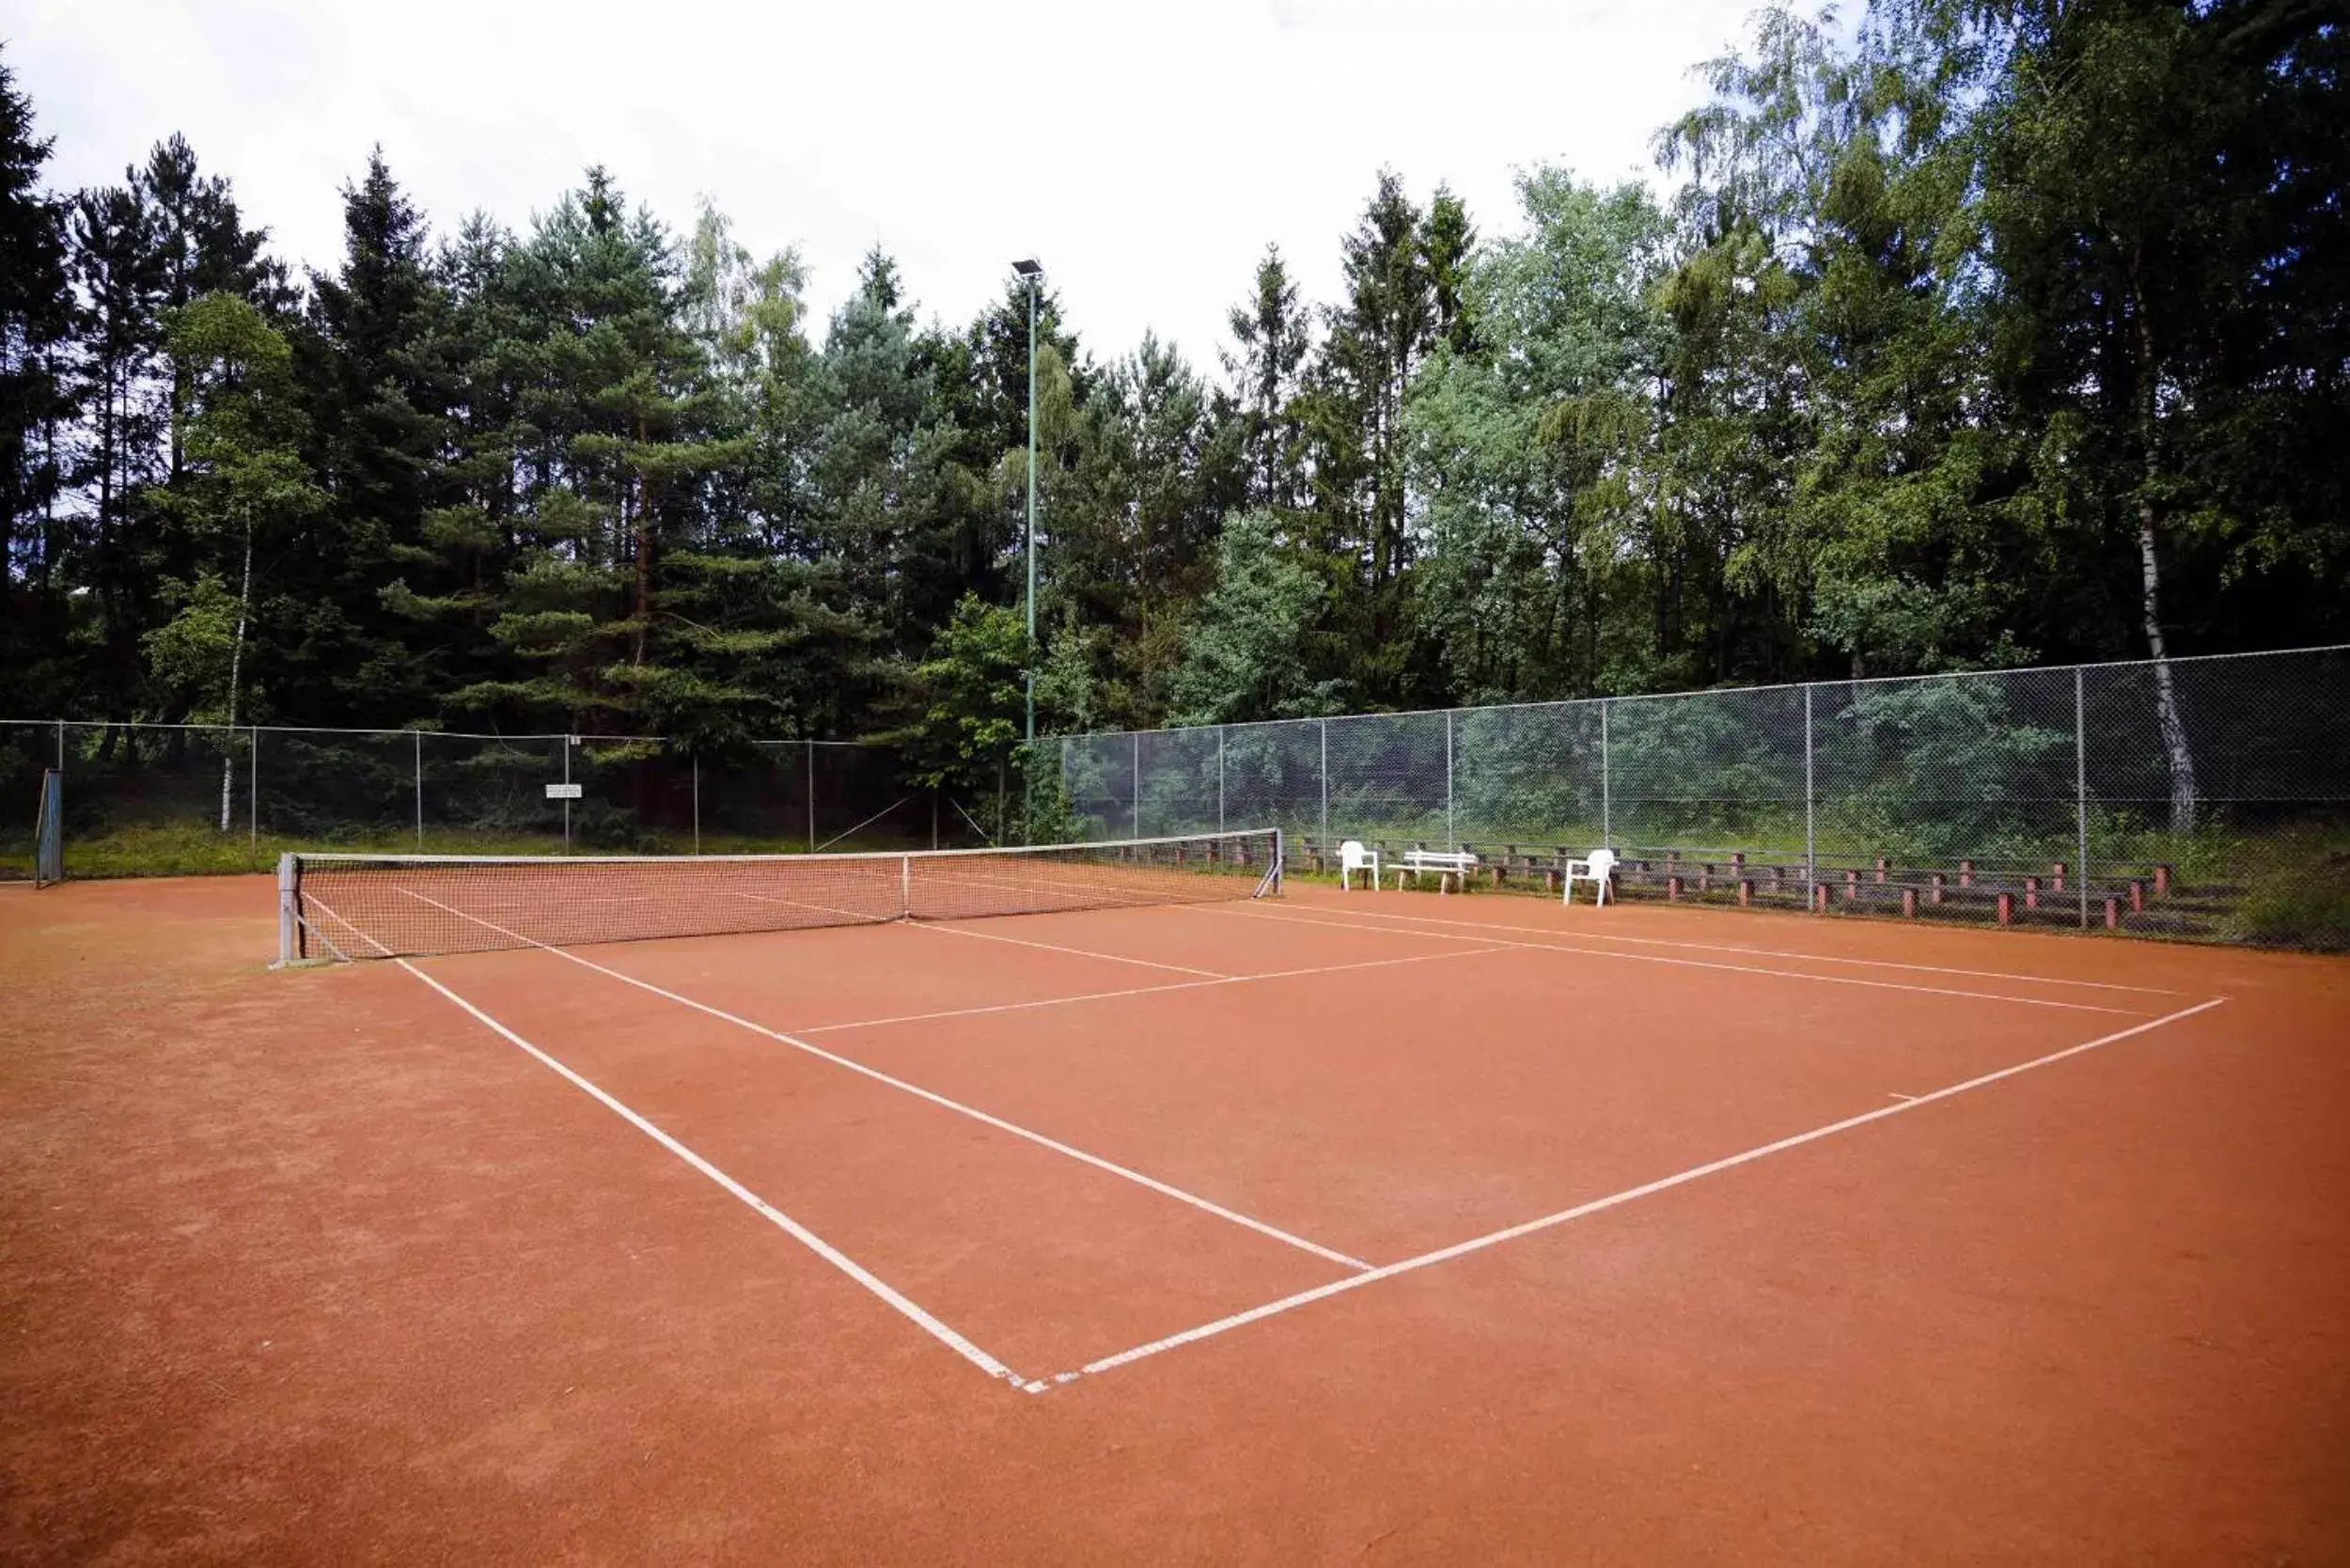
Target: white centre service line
1041 1139
1056 948
1343 924
1598 1205
1144 991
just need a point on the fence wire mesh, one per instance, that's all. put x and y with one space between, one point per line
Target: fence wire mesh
2205 797
147 799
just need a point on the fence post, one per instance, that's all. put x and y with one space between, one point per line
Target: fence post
1452 837
1137 830
253 789
1607 784
2080 786
417 735
1325 784
1220 778
61 745
1811 829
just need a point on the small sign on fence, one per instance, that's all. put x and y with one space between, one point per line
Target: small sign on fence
563 792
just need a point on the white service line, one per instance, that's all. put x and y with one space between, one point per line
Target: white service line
766 1211
1143 991
1042 1141
1056 948
1479 1243
1682 963
1761 952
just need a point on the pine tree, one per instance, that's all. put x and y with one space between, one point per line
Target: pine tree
37 317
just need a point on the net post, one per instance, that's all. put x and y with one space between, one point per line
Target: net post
288 926
418 735
811 797
1137 745
906 886
253 788
695 758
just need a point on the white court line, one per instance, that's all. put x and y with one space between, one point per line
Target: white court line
767 1211
1682 963
1479 1243
784 1222
1759 952
1056 948
1141 991
1163 1188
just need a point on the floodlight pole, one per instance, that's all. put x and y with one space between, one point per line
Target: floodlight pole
1029 272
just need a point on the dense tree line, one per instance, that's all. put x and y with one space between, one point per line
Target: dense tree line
1992 333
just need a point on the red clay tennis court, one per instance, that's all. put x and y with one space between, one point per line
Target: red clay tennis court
1176 1226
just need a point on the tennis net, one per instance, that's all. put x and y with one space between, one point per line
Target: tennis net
352 906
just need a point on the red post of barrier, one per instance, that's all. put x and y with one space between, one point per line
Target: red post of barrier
2162 882
2032 892
1819 897
1938 888
1880 869
1852 885
2007 909
2113 913
2055 877
2138 897
1673 888
1746 891
1909 903
1966 873
1705 877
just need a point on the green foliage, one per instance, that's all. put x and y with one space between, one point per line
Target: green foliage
1962 324
1242 653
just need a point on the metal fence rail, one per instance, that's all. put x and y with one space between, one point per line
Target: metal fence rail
2210 797
151 798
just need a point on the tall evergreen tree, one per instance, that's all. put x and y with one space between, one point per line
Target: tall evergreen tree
37 319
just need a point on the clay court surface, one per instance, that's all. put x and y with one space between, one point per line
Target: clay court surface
1347 1228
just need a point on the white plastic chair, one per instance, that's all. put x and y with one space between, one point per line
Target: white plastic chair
1594 868
1353 858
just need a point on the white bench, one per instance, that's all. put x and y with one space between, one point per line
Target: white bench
1445 863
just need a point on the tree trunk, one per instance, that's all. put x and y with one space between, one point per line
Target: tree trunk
2174 742
2179 756
236 665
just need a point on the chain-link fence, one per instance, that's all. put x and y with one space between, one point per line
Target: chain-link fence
148 799
2205 797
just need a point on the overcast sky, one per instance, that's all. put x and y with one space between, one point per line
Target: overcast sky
1146 152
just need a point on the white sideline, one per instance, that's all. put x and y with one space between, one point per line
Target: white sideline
1056 948
1163 1189
1343 924
1764 953
784 1222
1494 1238
1142 991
